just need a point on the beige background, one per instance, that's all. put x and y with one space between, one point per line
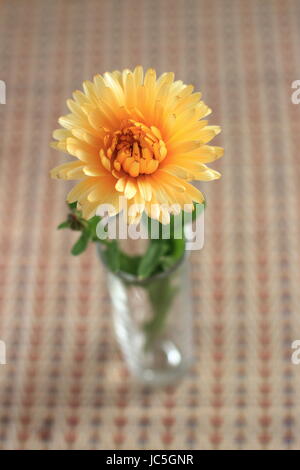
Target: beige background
65 385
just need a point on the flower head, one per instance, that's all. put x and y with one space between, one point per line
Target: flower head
140 137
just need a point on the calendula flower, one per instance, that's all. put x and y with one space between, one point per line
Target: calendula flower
136 136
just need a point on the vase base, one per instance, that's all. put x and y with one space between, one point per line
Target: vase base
155 378
165 365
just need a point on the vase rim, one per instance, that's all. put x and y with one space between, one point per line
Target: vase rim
132 278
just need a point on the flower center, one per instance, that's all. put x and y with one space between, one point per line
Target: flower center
134 149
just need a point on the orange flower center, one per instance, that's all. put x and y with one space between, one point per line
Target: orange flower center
134 149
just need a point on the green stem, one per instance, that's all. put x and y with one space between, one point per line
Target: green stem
161 295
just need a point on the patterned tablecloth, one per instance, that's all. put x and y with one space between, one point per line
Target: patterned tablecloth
65 384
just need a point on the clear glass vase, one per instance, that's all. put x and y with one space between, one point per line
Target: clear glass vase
153 322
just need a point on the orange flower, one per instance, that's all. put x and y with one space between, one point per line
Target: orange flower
136 136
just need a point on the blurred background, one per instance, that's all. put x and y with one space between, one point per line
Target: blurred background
65 385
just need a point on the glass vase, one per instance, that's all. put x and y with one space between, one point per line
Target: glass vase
153 322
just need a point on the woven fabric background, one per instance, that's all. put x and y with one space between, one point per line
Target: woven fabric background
65 385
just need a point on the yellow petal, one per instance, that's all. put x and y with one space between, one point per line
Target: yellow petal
94 170
79 191
208 133
120 185
134 169
70 170
194 193
61 134
102 192
89 209
144 186
130 189
138 75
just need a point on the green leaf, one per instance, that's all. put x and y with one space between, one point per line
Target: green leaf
112 256
198 208
72 205
166 262
65 224
81 243
175 252
178 248
92 224
151 258
129 264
